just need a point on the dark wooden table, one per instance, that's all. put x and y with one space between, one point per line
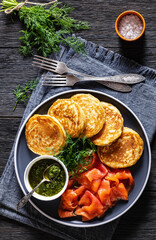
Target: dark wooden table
140 221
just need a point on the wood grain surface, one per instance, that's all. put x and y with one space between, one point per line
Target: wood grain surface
139 222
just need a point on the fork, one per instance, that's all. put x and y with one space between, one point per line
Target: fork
60 67
70 80
122 78
53 66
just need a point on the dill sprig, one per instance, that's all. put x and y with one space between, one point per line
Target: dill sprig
77 154
45 29
23 93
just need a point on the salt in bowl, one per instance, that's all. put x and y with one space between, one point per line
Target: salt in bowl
130 25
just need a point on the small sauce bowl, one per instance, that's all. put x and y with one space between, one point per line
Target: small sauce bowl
121 17
51 160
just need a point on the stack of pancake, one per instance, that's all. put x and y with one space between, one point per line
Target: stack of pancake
85 115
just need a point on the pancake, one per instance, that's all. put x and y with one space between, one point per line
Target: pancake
112 128
70 115
94 113
124 152
44 135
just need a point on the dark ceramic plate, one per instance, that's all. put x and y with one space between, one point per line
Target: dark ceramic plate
140 171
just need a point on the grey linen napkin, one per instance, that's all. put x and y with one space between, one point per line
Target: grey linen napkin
142 100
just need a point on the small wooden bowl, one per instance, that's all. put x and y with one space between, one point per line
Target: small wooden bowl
129 12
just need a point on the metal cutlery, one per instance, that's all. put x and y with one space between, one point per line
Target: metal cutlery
70 80
118 82
122 78
61 68
53 65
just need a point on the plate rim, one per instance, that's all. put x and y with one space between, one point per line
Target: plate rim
147 142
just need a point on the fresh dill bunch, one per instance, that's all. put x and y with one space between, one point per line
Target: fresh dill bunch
46 29
77 154
23 93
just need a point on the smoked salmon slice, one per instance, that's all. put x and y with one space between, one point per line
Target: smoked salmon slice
69 201
91 179
93 174
125 176
112 178
99 165
70 183
118 192
70 198
98 189
104 193
95 185
65 214
89 207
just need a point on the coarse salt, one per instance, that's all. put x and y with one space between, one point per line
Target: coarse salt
130 26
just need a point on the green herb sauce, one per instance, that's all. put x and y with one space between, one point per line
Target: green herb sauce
56 174
53 172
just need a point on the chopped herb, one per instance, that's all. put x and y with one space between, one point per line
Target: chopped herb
77 154
23 93
53 172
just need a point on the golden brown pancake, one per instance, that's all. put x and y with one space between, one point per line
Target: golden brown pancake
44 135
112 128
124 152
70 115
94 113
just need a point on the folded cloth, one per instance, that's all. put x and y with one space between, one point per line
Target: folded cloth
142 100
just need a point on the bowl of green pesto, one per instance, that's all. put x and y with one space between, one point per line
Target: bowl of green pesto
57 174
